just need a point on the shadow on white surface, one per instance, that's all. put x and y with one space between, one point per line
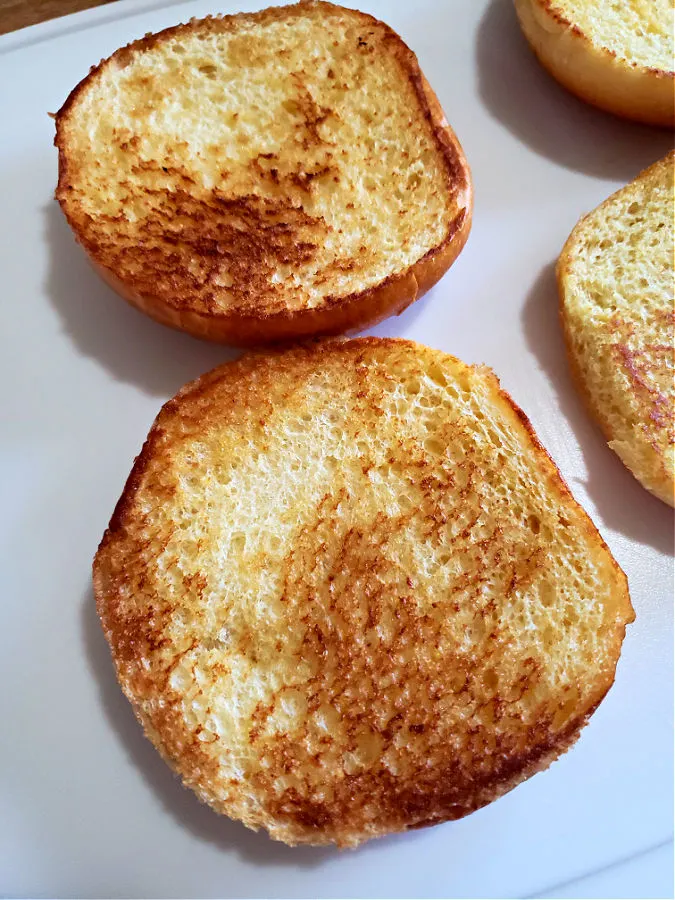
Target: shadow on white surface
538 111
177 801
126 342
622 502
401 324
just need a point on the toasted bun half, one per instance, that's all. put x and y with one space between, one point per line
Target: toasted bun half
617 296
617 56
348 593
265 176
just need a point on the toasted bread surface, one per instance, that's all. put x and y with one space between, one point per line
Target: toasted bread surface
348 593
264 176
617 295
617 56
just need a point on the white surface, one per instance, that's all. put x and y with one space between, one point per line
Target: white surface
86 806
648 875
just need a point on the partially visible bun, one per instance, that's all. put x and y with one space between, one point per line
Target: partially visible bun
617 290
617 56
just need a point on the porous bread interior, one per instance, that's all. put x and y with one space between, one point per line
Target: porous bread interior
261 163
350 595
618 305
637 31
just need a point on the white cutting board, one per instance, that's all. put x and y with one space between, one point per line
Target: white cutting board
86 805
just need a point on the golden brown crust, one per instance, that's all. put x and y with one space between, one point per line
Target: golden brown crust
342 316
634 354
402 695
256 322
596 74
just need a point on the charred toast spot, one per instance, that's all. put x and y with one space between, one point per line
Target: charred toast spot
650 368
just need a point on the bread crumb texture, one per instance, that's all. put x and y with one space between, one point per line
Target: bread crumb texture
640 32
348 593
618 293
258 164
